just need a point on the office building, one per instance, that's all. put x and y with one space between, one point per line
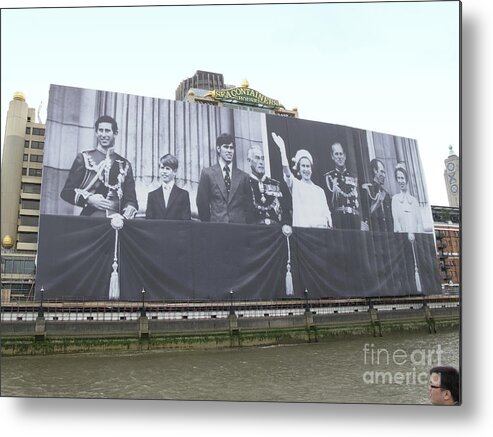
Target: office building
22 164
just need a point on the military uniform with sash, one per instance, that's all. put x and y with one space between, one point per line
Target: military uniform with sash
343 199
94 172
379 208
266 196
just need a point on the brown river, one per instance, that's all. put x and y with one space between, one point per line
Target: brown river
390 370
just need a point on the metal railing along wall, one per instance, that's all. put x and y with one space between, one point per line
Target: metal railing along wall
199 310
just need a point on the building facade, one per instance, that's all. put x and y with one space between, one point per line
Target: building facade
203 80
448 239
22 166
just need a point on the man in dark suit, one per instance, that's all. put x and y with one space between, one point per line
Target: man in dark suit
168 202
224 194
101 181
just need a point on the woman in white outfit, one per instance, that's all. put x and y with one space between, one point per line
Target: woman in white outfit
407 216
405 208
310 209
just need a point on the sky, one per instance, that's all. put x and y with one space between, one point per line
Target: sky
387 67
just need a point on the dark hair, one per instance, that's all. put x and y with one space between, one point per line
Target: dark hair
106 119
335 144
403 171
449 380
224 139
374 164
170 161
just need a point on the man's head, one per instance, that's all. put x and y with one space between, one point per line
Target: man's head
338 155
378 171
106 131
256 159
444 388
168 165
225 147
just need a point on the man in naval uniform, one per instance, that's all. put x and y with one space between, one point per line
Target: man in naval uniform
266 192
101 181
343 192
377 200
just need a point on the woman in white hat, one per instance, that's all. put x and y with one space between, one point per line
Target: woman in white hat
310 209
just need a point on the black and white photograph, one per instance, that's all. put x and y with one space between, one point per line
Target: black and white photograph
224 180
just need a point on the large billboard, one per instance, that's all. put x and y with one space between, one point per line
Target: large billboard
191 201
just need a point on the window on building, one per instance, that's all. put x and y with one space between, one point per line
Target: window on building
453 241
30 204
16 266
27 237
28 220
26 144
36 158
25 157
37 145
24 171
38 131
31 188
21 288
7 265
28 130
35 172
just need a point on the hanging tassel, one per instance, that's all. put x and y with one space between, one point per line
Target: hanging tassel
287 231
417 279
114 291
289 281
114 283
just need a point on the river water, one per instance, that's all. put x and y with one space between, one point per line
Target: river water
389 370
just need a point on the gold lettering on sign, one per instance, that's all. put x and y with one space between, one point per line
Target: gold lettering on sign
245 96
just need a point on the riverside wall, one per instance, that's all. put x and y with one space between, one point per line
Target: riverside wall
43 336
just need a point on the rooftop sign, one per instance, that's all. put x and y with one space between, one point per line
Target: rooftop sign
244 96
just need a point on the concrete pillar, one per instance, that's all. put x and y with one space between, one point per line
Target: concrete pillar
375 322
430 320
311 329
6 295
233 322
234 332
143 327
40 329
13 151
309 319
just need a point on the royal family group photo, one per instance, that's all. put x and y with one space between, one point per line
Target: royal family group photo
158 164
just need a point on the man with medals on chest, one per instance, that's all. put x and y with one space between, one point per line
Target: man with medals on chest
343 192
378 201
266 192
101 181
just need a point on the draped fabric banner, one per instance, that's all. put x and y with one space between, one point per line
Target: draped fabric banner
188 260
191 201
